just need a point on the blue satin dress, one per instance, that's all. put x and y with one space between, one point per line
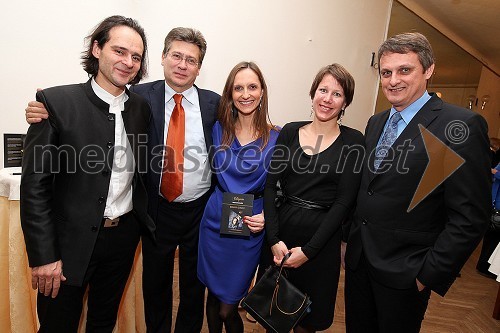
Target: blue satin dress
227 264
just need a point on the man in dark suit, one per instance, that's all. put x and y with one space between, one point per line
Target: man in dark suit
83 199
177 219
423 204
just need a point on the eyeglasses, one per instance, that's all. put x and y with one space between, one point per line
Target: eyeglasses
178 57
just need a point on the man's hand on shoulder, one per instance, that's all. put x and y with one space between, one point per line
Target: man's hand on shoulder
35 112
47 278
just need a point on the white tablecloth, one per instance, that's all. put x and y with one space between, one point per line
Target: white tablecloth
10 178
495 262
18 299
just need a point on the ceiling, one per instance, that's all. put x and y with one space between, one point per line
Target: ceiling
474 24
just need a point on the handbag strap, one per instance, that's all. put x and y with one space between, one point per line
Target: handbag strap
285 258
276 290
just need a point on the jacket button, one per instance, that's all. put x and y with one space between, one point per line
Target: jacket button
110 144
101 200
93 228
370 192
111 117
364 221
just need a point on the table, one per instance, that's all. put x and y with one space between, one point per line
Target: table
495 269
18 299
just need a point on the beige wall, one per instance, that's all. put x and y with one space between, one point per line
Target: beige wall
382 102
489 84
289 39
455 95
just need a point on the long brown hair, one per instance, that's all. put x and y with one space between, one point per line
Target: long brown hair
225 113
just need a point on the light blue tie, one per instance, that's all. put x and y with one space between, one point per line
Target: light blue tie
388 138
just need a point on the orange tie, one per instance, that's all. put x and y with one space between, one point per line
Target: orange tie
173 160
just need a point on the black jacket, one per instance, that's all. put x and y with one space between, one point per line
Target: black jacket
66 173
433 240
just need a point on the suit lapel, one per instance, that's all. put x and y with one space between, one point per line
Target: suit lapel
375 131
206 117
157 98
425 116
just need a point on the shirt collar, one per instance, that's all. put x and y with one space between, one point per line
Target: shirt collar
109 98
411 110
189 94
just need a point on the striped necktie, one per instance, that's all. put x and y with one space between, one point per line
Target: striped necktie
388 138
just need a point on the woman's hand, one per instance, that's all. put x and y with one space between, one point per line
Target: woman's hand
255 223
297 258
279 250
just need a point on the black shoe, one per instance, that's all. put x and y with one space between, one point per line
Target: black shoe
487 274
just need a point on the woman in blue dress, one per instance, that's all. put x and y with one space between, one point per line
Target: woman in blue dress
243 145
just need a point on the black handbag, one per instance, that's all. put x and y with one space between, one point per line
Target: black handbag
274 302
495 220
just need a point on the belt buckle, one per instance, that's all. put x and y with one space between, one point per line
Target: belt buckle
108 223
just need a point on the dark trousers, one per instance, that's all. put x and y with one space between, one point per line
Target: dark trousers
374 307
106 277
177 224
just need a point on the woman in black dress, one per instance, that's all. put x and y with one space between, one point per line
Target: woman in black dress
317 164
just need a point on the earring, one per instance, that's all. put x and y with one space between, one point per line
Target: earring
339 120
234 112
312 110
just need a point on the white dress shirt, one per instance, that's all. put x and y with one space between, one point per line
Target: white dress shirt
119 200
197 174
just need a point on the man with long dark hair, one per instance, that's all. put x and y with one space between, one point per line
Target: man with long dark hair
83 200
